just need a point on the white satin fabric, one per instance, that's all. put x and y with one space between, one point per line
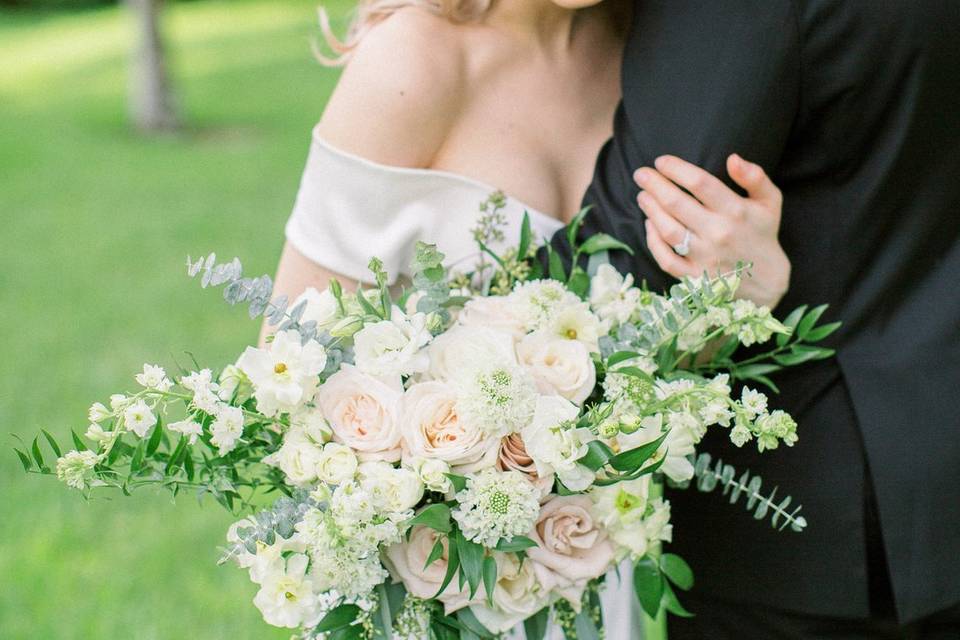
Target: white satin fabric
350 209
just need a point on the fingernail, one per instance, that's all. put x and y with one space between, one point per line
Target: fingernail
641 176
642 197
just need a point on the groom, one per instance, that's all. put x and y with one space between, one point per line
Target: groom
854 109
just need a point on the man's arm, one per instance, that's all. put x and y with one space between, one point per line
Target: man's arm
701 80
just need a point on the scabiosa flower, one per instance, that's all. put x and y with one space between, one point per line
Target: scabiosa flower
498 399
496 505
76 468
537 302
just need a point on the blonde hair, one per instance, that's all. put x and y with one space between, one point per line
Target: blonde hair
371 12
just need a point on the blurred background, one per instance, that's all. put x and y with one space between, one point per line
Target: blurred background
108 179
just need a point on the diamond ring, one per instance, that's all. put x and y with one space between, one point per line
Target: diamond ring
683 248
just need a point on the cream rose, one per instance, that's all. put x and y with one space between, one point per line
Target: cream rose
495 312
362 412
405 562
572 548
513 456
392 489
518 594
558 366
297 457
451 353
432 429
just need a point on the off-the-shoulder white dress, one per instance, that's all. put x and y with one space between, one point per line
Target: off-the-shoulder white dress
349 209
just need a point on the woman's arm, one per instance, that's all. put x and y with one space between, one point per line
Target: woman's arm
394 104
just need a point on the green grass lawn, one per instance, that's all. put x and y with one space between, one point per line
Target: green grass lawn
96 223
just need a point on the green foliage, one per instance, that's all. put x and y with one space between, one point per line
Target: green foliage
724 475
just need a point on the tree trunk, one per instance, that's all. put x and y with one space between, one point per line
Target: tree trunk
151 101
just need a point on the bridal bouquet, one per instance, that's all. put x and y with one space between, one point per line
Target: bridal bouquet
471 454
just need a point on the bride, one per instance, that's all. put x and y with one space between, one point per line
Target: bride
440 103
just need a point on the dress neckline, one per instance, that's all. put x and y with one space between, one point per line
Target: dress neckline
544 218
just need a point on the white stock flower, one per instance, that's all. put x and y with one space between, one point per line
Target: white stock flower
432 428
393 347
337 463
75 468
558 365
298 457
286 597
497 399
98 413
452 351
118 402
138 418
432 473
286 375
754 402
188 427
321 307
226 429
555 444
204 390
612 295
96 433
153 377
496 505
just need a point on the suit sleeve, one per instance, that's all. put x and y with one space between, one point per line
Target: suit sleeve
701 79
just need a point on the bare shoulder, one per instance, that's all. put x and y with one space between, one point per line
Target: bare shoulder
400 92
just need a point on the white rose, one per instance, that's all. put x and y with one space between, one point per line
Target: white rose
298 457
432 428
494 312
558 366
391 489
321 307
393 347
517 595
556 447
452 352
337 463
362 412
432 473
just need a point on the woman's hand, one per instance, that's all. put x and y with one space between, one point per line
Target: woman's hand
724 227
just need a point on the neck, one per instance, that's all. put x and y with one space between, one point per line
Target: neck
542 22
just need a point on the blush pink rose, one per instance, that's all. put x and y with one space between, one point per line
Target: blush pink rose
405 562
363 413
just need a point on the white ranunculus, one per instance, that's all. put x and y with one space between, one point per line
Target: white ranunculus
556 445
286 597
363 413
393 347
558 366
226 429
517 595
321 307
298 457
432 428
138 418
286 375
391 489
454 352
431 471
188 427
337 463
492 312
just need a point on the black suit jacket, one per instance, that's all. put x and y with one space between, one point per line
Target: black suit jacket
853 106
